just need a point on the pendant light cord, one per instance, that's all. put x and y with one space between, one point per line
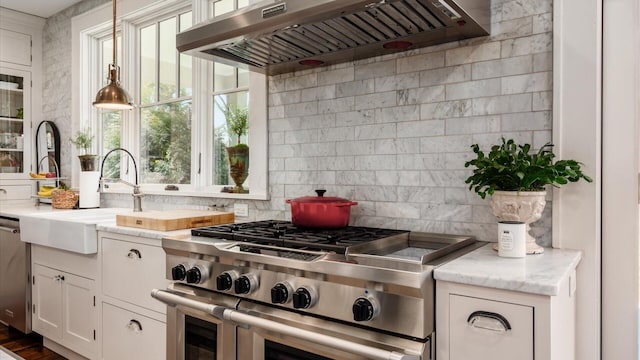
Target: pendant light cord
115 40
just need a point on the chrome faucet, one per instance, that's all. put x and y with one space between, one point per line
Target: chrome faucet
137 195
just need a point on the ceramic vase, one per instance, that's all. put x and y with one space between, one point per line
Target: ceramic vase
238 166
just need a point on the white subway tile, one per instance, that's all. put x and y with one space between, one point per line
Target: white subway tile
445 144
375 69
502 67
317 93
472 89
336 105
346 133
542 62
421 95
420 128
534 82
398 178
377 193
475 53
353 88
374 101
377 131
301 136
542 100
398 210
301 82
445 212
336 163
397 146
356 177
519 9
336 76
501 104
300 164
421 194
447 109
397 114
472 125
355 147
540 120
421 161
527 45
420 62
359 117
542 23
445 75
301 109
397 82
375 162
511 28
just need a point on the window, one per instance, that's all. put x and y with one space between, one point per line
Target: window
177 134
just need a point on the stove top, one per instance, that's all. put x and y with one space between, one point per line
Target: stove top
285 234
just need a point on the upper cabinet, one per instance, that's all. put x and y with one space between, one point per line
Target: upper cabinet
20 94
15 120
15 47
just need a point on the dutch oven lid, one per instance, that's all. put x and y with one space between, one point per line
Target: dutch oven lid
321 198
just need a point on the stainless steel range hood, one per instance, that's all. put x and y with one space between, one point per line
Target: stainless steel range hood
276 36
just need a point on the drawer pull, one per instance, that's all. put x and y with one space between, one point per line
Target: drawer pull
488 321
3 191
133 253
135 326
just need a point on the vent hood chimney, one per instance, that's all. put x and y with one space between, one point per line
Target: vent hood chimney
275 37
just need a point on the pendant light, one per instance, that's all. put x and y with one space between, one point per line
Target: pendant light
113 96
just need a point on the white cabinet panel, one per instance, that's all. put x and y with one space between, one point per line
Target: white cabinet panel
47 301
15 192
15 47
79 311
131 270
490 330
128 335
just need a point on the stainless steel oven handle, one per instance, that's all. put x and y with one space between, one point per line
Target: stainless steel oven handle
9 229
223 313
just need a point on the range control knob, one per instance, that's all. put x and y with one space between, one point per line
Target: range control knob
225 280
365 309
245 284
281 293
196 275
178 272
304 297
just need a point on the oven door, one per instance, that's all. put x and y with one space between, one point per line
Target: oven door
268 333
329 340
193 334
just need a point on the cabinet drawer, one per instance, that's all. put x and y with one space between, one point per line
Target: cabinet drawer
15 47
128 335
15 192
486 329
131 270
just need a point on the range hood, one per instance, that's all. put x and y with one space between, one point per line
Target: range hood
275 36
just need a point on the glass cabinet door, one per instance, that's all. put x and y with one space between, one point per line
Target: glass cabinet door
15 104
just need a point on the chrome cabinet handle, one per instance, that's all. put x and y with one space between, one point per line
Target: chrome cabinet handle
486 320
3 191
10 229
134 253
134 325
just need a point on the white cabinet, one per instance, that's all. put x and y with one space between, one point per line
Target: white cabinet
489 329
128 335
15 123
15 47
64 302
133 323
479 323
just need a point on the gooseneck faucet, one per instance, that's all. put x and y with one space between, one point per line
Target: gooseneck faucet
137 195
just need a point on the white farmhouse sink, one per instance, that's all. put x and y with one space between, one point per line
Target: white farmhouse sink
71 230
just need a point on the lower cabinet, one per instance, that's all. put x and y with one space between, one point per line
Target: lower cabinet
64 309
128 335
479 323
133 323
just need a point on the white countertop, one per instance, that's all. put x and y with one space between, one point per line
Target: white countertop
536 274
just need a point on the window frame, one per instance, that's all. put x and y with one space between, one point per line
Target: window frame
85 35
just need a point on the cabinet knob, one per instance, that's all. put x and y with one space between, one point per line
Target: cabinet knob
487 320
58 278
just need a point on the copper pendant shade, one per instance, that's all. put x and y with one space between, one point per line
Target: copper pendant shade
113 96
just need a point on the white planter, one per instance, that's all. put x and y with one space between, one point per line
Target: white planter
522 206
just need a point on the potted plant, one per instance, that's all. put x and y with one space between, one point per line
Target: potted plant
238 125
516 180
82 141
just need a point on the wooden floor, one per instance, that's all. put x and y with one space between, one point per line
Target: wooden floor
28 347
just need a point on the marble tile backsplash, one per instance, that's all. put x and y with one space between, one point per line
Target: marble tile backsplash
391 132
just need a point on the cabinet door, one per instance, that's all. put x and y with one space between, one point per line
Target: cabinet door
80 315
15 123
15 47
47 302
128 335
131 270
489 330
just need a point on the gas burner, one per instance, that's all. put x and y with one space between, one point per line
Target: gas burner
285 234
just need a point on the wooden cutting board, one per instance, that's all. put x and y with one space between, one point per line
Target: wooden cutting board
167 220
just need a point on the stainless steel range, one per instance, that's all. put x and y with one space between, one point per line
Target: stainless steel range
271 290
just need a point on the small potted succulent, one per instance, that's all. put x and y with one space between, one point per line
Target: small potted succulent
82 141
516 179
238 125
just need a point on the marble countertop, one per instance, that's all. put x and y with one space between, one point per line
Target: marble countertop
536 274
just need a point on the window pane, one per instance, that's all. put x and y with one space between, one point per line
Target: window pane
186 21
107 58
224 77
165 144
222 136
243 77
186 64
111 122
223 7
148 64
168 52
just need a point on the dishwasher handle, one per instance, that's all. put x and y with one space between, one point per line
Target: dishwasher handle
223 313
11 230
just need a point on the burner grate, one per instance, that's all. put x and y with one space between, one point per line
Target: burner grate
285 234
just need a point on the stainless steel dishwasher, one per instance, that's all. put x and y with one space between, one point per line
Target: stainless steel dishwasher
15 270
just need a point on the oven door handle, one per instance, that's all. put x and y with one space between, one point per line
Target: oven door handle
223 313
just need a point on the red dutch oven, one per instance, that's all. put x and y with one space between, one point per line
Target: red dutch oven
320 212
